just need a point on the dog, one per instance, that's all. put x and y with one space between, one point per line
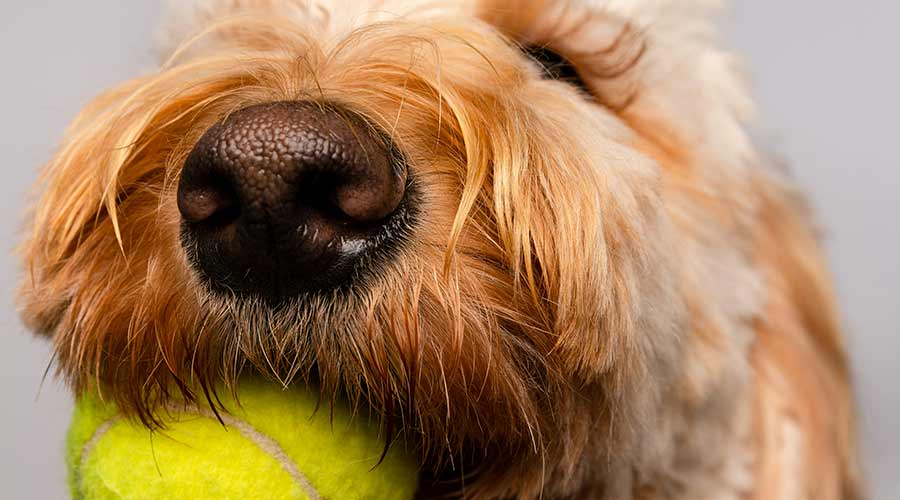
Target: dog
533 237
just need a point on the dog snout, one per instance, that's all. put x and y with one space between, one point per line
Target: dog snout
288 197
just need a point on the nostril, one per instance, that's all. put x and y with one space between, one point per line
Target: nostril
361 198
316 191
211 202
372 195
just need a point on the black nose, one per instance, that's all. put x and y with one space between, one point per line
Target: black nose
289 197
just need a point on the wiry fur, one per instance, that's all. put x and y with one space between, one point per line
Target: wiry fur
611 296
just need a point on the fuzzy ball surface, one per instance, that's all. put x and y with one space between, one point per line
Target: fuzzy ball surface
275 444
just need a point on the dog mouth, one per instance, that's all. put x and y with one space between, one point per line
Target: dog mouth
291 198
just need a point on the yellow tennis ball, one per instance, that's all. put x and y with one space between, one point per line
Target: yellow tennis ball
273 445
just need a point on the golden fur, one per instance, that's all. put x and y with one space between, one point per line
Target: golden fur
611 296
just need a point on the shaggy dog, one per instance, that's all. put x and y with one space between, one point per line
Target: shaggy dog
532 236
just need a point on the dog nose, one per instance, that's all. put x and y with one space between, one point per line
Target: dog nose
287 197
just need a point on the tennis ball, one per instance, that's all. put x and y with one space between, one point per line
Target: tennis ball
274 445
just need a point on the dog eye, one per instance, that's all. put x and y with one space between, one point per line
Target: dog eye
556 66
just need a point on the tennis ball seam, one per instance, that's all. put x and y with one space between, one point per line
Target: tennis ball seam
268 446
89 446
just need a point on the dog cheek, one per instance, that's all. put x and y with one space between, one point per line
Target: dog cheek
585 234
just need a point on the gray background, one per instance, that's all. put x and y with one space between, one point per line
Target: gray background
825 73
